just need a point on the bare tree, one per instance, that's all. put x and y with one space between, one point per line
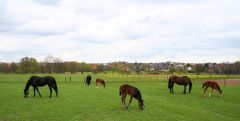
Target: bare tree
49 63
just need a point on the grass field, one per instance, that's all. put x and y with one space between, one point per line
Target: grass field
78 102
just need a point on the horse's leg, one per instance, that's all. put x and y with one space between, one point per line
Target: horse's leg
172 88
55 89
209 95
220 94
123 101
34 88
206 87
97 84
184 91
130 101
50 88
38 92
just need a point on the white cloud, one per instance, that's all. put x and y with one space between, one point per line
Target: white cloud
112 30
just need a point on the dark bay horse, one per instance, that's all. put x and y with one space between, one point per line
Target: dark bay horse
180 81
36 81
88 80
133 92
99 82
213 85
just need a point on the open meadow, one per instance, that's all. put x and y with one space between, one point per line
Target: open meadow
79 102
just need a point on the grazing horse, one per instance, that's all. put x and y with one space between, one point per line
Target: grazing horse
133 92
99 82
180 81
213 85
36 81
88 80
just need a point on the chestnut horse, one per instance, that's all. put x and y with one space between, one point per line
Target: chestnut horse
36 81
213 85
180 81
133 92
99 82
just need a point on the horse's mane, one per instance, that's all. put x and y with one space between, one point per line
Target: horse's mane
139 96
27 85
218 87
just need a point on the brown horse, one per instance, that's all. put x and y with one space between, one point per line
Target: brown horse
213 85
99 82
133 92
180 81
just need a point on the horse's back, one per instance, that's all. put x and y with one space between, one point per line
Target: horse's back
41 81
124 86
131 90
180 80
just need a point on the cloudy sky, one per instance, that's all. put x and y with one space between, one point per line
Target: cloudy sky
120 30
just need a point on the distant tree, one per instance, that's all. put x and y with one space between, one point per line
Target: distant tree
237 67
29 65
5 68
74 67
48 61
81 67
71 66
100 68
172 69
14 67
58 66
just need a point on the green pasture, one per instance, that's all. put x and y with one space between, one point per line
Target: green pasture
77 102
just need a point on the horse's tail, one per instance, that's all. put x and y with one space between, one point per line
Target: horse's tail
190 86
55 86
169 83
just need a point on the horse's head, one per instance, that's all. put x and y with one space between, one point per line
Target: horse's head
141 105
220 91
26 92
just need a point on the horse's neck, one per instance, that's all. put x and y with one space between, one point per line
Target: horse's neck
140 101
27 85
217 86
139 97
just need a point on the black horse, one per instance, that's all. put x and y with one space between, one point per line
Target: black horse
36 81
180 81
88 80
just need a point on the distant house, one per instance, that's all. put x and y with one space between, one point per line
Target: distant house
189 68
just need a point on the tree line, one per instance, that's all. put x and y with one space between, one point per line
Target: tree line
56 65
